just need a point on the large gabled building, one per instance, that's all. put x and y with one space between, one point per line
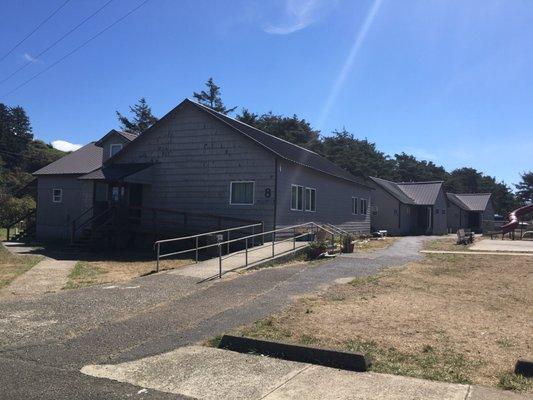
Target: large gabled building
193 163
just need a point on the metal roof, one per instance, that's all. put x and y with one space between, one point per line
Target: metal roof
126 135
115 171
82 161
470 201
416 193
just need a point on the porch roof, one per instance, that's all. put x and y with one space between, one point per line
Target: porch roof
115 172
470 201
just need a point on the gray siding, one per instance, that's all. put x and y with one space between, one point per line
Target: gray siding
387 217
112 139
53 219
456 217
196 158
333 199
440 223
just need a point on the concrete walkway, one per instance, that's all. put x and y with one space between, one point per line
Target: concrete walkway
503 245
237 260
477 253
215 374
47 276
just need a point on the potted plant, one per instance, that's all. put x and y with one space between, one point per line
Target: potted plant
317 248
347 244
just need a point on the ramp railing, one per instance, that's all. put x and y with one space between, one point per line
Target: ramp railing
294 232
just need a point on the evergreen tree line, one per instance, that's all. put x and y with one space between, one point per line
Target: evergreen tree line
360 157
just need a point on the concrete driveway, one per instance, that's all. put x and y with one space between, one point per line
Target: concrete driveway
45 341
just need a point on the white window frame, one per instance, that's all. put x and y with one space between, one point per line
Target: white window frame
305 198
361 206
355 201
231 194
57 198
297 197
111 148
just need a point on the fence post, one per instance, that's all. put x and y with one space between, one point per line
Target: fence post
7 235
196 249
227 249
253 237
246 241
219 260
158 252
294 239
273 241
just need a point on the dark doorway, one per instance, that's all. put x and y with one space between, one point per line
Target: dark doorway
474 221
135 203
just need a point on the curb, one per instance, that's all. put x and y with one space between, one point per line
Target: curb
346 360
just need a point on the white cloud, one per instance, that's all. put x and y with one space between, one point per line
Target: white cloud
63 145
298 15
28 57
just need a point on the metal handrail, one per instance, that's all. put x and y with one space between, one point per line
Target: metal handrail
157 244
207 233
85 223
12 224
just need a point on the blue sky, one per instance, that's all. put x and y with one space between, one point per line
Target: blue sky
448 81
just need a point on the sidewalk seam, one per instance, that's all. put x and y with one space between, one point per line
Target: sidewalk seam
468 392
287 381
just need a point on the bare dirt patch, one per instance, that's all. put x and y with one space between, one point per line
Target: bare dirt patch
13 265
88 273
374 244
451 317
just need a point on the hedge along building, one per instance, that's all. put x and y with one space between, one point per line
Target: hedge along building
473 211
196 170
408 208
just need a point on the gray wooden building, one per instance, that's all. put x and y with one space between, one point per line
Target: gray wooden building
473 211
408 208
196 170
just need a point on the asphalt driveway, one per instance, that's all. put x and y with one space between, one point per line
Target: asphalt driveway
44 341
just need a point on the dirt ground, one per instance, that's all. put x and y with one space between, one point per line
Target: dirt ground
370 245
450 317
12 265
88 273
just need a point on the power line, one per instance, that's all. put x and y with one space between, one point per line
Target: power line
77 48
35 30
57 41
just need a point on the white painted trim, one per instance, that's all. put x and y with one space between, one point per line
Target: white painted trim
361 206
231 193
54 196
305 198
111 148
356 205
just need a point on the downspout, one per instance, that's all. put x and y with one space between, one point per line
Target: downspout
275 192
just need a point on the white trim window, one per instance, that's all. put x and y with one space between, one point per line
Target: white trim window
57 195
355 207
297 198
114 149
242 193
364 206
310 199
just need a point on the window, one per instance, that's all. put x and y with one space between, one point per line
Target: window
364 204
310 199
114 149
374 210
242 193
354 205
57 195
297 198
436 210
443 211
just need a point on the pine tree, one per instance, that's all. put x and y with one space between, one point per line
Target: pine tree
212 98
142 118
524 189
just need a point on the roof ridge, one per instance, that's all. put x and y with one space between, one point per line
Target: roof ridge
418 182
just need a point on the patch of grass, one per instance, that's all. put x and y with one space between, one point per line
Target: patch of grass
266 329
214 341
13 265
512 381
364 280
83 274
374 244
446 365
3 233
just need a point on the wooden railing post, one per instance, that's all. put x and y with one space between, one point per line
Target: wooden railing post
7 234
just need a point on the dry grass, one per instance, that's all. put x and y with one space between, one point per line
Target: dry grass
3 233
12 265
88 273
447 243
374 244
451 318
